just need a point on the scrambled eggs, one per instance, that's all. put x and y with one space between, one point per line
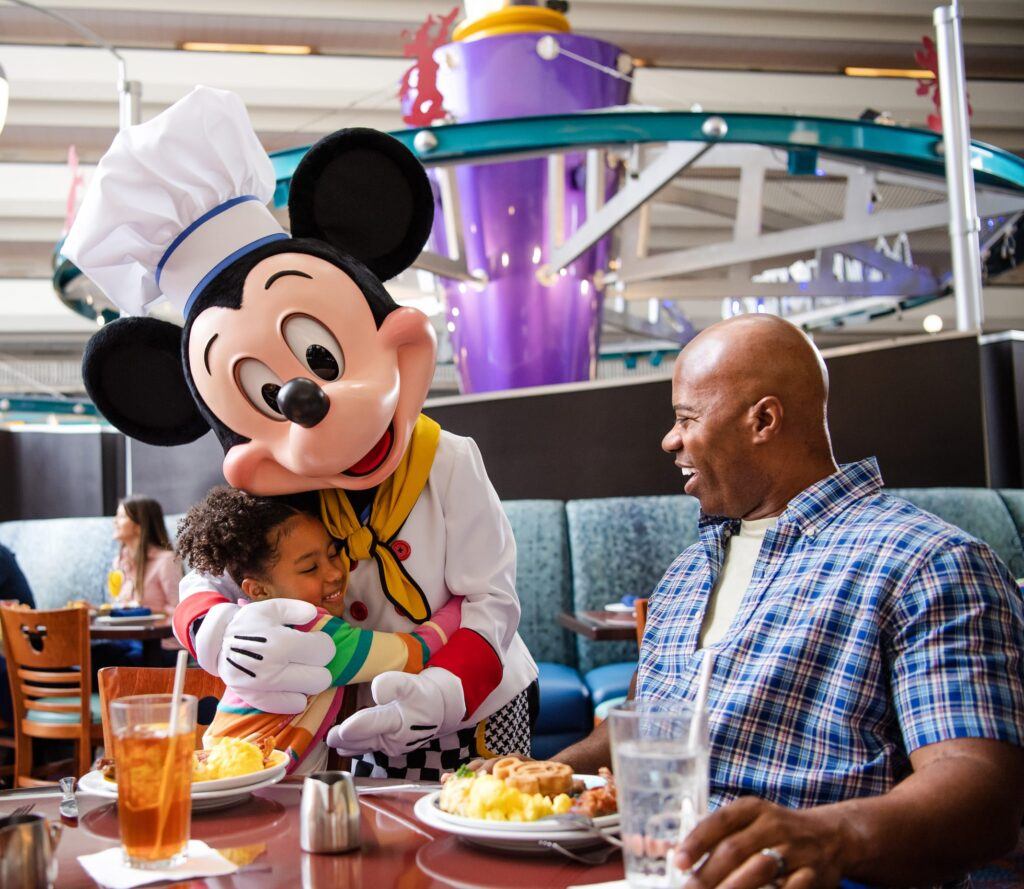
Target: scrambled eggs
484 796
226 758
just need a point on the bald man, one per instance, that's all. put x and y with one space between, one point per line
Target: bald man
867 701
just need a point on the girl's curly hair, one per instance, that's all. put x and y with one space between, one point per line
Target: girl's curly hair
230 531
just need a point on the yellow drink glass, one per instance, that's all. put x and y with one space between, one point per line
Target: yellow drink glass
115 580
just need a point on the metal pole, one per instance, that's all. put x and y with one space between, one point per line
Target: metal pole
129 92
964 225
129 96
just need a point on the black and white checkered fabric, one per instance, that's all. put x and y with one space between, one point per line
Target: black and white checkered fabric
505 731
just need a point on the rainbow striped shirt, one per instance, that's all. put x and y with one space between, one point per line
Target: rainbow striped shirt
360 655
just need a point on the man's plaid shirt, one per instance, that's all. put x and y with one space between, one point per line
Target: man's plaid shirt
870 628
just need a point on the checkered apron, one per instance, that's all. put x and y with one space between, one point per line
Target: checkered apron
505 731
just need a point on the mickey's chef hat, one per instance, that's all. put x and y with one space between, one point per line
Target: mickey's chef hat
173 202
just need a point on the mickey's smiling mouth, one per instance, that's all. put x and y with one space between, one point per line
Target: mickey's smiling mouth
375 457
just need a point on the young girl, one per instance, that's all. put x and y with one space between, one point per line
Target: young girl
274 550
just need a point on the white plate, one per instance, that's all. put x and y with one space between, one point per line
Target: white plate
516 836
276 769
128 618
94 784
202 800
618 606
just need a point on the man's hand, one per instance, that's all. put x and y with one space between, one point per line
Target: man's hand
411 709
810 842
258 655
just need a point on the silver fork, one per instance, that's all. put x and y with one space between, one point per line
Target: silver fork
576 821
397 788
597 856
23 810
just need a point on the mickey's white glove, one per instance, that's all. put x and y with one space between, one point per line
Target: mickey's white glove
257 654
411 709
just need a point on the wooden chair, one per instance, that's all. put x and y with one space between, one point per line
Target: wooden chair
120 682
640 610
48 667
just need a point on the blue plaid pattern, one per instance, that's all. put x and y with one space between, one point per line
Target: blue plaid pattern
870 628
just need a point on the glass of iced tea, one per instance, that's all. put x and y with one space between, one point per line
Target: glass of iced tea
153 769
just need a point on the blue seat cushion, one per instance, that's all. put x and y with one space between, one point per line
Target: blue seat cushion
601 710
65 717
564 701
549 746
609 681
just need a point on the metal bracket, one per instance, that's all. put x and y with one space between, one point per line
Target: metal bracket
804 240
676 157
444 267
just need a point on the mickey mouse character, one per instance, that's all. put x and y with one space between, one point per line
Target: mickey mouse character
313 379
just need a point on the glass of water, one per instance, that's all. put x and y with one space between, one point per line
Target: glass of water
661 771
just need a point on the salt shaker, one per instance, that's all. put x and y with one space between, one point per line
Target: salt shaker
329 813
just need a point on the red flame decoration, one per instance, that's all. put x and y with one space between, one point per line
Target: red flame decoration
928 60
422 102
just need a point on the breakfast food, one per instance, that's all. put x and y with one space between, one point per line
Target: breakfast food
524 790
225 758
547 778
478 795
229 758
598 801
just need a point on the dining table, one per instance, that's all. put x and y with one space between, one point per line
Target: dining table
150 633
261 835
601 626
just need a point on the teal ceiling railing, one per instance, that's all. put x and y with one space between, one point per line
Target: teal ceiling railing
904 148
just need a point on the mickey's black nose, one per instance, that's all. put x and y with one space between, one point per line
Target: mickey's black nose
302 401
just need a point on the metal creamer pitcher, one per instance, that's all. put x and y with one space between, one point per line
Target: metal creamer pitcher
329 813
27 851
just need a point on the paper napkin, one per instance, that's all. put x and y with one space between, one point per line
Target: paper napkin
108 868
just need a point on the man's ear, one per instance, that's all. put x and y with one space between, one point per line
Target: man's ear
766 418
364 193
133 374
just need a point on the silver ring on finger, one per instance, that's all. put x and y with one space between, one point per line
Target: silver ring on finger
778 858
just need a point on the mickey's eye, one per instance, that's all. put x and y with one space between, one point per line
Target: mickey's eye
314 345
260 385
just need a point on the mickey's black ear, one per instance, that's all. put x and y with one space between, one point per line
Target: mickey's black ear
364 193
133 374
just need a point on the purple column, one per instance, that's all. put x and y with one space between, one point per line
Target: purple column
515 331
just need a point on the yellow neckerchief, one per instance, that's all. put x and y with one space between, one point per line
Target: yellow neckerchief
392 504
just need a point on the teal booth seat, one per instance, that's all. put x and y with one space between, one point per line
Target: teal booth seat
609 682
1013 500
985 514
68 717
566 712
621 546
545 589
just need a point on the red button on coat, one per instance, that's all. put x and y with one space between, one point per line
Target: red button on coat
401 549
358 611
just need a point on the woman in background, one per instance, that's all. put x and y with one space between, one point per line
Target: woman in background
145 572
